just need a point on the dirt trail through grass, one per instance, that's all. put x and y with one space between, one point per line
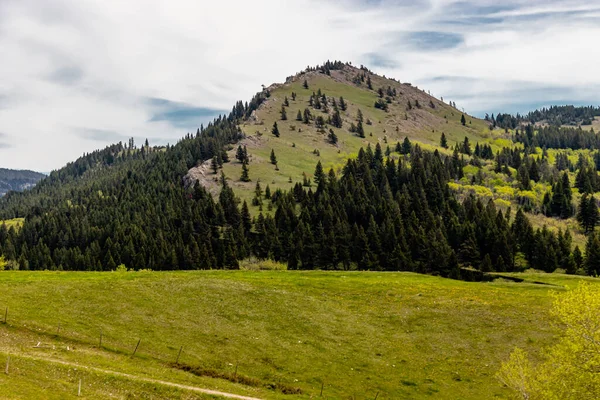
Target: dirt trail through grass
141 379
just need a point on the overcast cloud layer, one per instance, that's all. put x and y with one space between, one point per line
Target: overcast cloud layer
76 75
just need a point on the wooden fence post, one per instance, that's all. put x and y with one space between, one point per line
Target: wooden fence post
136 347
179 354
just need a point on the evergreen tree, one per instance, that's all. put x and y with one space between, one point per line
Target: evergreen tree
592 255
286 102
305 84
283 113
240 155
463 120
299 116
245 177
587 213
466 147
523 177
275 129
360 130
443 141
343 104
332 137
319 176
273 158
406 146
369 84
307 116
214 164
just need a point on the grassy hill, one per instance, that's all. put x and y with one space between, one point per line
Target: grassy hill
261 334
296 149
300 146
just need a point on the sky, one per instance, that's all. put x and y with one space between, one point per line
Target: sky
77 75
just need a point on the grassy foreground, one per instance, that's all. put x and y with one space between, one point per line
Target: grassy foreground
264 334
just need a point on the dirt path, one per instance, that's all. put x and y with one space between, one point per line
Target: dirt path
142 379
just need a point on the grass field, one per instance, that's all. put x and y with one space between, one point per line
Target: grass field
264 334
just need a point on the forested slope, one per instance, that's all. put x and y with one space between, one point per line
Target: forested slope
373 202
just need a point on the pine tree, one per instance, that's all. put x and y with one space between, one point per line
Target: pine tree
463 120
443 141
486 264
592 255
336 119
332 137
275 129
360 130
319 175
273 158
245 173
283 113
306 117
466 147
299 116
369 85
305 84
343 104
406 146
523 177
240 155
214 164
587 213
286 102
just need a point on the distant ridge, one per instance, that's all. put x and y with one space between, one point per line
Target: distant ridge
18 180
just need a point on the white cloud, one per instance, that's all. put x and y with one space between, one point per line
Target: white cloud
73 69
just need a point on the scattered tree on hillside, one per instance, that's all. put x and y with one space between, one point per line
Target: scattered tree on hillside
332 137
245 177
299 116
283 113
275 129
273 158
360 130
463 120
214 164
307 116
305 84
343 104
443 141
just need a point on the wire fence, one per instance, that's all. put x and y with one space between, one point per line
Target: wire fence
173 355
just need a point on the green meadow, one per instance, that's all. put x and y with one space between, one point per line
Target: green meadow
267 334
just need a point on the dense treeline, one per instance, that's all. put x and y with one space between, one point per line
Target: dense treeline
129 205
383 215
552 137
125 205
554 115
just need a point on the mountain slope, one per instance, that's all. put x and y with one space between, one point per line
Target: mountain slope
18 180
394 199
296 148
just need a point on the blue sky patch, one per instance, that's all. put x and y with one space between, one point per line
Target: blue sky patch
377 60
181 115
432 40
